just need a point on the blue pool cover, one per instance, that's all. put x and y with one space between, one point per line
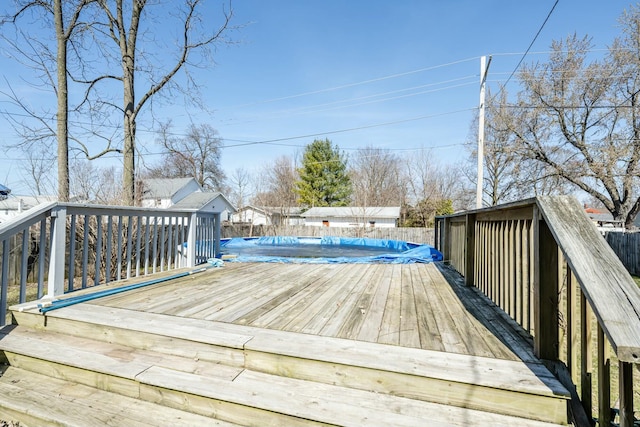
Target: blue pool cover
272 249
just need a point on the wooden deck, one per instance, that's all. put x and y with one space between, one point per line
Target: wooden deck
340 344
407 305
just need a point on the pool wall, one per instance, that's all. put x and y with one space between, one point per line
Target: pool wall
400 252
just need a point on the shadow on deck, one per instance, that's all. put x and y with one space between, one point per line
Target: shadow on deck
273 344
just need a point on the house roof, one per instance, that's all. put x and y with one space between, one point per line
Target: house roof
392 212
164 188
271 210
199 200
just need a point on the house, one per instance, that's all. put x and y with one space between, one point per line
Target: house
268 215
385 217
252 215
205 202
166 192
604 220
15 205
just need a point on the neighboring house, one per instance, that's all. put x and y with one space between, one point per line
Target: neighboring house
166 192
353 216
15 205
252 215
268 215
604 220
286 216
207 202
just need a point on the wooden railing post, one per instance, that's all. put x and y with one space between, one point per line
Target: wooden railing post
446 239
216 233
55 284
546 278
470 249
192 240
626 394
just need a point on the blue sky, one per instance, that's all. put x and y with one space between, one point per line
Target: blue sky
401 75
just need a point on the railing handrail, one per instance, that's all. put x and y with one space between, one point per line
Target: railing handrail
605 282
26 219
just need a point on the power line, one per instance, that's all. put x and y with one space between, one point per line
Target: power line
532 42
363 82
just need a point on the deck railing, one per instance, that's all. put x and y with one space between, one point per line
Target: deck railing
56 248
547 267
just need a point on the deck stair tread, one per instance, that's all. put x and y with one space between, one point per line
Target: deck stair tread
531 378
503 386
265 398
55 402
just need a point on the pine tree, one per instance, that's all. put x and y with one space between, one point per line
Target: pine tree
323 176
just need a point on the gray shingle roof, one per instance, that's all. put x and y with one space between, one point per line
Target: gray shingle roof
354 211
163 188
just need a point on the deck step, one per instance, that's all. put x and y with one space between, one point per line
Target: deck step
37 400
525 390
239 396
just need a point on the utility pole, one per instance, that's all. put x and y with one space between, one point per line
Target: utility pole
484 68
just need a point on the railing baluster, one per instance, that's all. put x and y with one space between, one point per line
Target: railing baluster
119 249
85 250
170 228
604 380
4 285
586 368
96 280
155 244
162 248
72 252
129 243
107 269
23 265
625 370
138 237
146 244
41 256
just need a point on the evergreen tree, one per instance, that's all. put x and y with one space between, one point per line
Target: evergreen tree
323 176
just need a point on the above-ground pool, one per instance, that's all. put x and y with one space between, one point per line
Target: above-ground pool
325 250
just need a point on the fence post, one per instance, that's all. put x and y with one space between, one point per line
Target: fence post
470 249
545 283
55 284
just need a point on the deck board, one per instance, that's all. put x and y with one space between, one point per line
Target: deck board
412 305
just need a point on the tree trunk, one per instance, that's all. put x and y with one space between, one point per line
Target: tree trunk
63 106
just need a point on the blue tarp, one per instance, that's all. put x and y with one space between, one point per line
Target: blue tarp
400 252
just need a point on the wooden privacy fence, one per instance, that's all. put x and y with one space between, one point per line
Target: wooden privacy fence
627 247
76 246
407 234
547 267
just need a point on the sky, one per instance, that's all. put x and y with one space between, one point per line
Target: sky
400 75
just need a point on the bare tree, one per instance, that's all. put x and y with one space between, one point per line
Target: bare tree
276 185
143 77
579 118
240 181
48 57
377 178
433 189
509 174
197 155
